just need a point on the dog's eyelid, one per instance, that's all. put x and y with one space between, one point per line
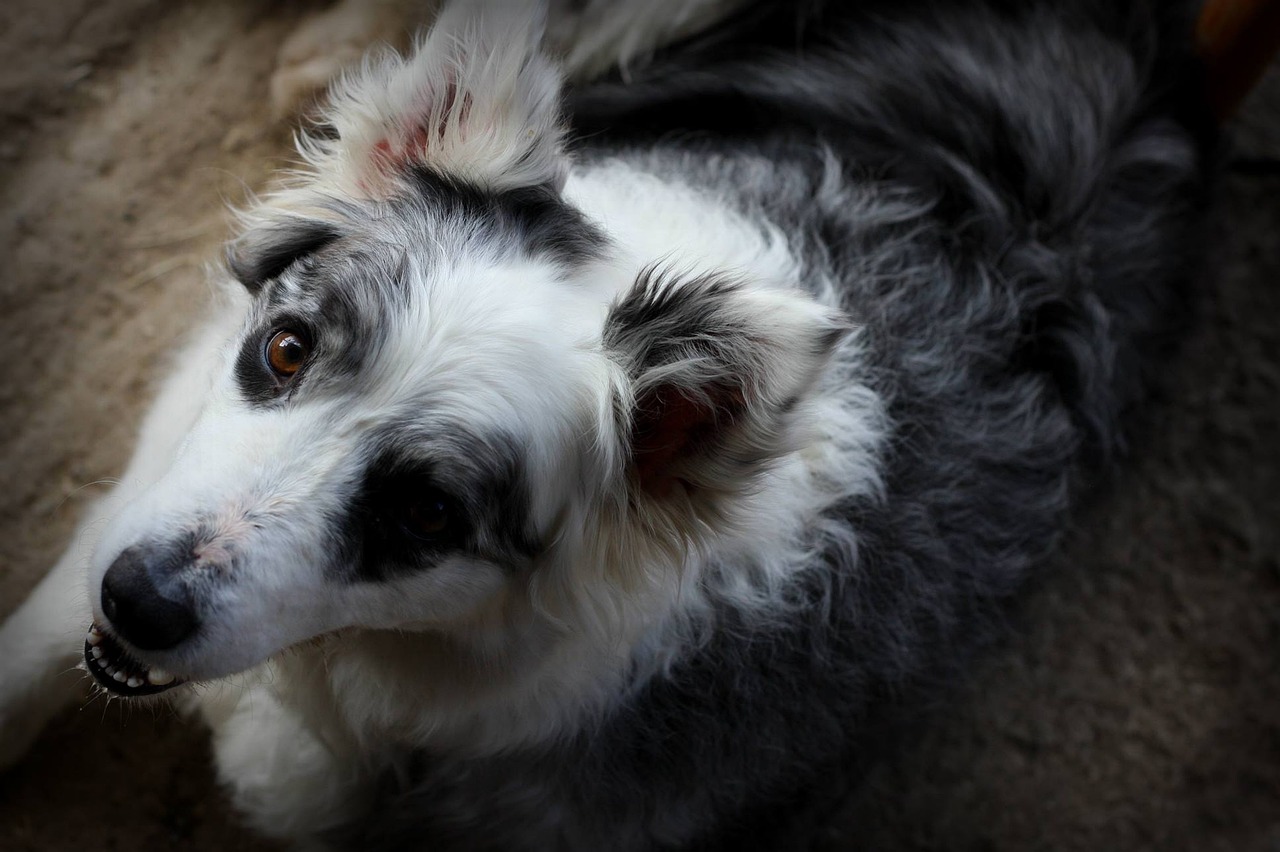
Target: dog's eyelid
294 324
410 483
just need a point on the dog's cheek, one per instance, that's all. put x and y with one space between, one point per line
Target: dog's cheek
459 593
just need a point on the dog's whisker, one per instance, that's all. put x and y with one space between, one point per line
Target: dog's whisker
158 270
171 238
78 489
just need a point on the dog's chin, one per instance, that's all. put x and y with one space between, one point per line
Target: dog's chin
119 672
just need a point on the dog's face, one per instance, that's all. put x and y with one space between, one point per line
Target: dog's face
394 435
449 408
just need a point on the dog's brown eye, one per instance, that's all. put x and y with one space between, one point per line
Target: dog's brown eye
287 352
429 517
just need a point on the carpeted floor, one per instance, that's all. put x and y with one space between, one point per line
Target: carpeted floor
1137 705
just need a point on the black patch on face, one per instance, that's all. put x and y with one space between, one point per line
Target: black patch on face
481 480
262 254
534 217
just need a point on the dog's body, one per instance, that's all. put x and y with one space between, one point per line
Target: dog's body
625 498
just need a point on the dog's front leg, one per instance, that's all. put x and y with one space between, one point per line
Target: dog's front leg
40 645
285 779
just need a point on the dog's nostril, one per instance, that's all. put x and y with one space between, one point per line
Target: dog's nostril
138 611
108 602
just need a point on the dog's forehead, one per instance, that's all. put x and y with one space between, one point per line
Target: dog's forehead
384 251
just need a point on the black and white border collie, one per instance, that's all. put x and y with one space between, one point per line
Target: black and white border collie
610 468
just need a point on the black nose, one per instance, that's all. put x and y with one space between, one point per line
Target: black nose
139 611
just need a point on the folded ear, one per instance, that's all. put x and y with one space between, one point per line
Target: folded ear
272 242
476 100
717 370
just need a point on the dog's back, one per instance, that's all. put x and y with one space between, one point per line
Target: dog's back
1005 197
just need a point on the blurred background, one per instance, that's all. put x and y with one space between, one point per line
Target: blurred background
1135 706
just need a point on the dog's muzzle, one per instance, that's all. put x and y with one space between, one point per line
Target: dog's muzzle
147 609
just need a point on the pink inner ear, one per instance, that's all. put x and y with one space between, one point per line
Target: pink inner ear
391 156
670 426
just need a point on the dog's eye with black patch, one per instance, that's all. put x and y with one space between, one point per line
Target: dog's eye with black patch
286 352
431 516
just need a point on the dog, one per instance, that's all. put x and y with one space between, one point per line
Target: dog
617 467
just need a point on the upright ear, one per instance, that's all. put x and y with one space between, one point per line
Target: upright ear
717 371
475 100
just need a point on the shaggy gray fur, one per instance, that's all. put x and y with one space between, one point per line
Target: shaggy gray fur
1028 266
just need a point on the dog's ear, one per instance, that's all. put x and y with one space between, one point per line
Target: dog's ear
717 370
267 248
476 100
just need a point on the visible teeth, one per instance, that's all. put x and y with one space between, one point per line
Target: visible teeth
110 669
94 637
159 677
118 676
97 653
134 682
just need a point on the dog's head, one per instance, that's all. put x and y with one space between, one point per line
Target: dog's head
450 408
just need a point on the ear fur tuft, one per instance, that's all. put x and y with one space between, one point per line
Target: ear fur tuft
476 99
717 369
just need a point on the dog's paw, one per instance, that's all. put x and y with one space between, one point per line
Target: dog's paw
41 644
319 50
20 724
31 692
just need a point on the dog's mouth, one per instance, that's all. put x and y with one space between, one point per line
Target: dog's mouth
118 672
